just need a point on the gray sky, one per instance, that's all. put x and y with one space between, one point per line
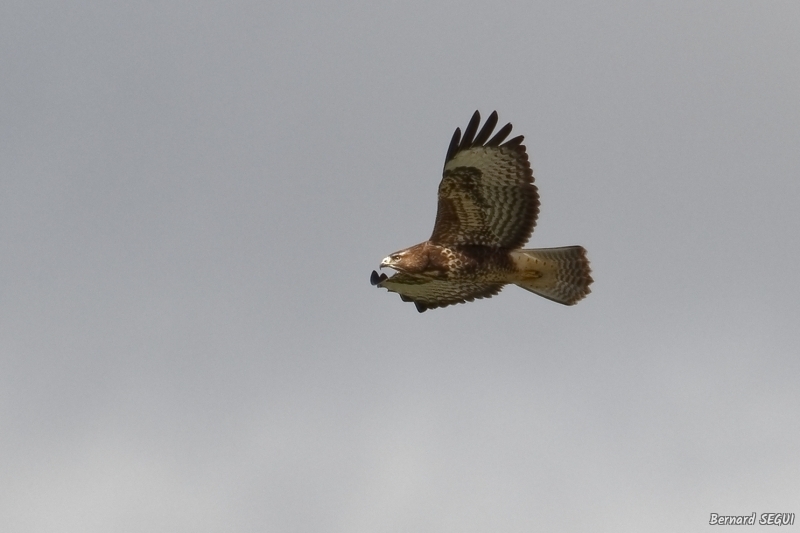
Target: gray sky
193 195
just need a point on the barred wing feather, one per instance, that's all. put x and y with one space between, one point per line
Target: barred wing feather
486 196
427 293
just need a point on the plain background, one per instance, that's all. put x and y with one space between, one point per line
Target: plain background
193 196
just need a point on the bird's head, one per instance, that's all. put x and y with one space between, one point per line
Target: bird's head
410 260
394 260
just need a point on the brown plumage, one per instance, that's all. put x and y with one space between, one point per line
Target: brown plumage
487 210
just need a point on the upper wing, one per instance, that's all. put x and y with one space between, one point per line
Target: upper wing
430 294
487 196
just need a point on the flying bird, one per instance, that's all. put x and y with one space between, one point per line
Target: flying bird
487 210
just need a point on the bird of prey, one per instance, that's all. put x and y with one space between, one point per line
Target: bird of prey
487 209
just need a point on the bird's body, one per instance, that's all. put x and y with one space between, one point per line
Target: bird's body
455 262
488 206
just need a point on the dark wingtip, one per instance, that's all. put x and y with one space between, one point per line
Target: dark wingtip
486 130
453 148
516 141
470 131
500 136
375 278
420 307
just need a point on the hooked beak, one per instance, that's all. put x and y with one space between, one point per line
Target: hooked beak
387 262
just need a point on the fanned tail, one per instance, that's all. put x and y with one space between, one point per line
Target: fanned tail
559 274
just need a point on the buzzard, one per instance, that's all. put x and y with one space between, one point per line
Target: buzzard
487 209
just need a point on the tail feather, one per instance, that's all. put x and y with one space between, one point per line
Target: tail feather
559 274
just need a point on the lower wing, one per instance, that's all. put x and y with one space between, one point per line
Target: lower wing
429 293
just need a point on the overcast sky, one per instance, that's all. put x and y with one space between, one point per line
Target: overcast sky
193 196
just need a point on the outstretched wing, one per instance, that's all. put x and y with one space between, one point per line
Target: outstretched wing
487 196
427 293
